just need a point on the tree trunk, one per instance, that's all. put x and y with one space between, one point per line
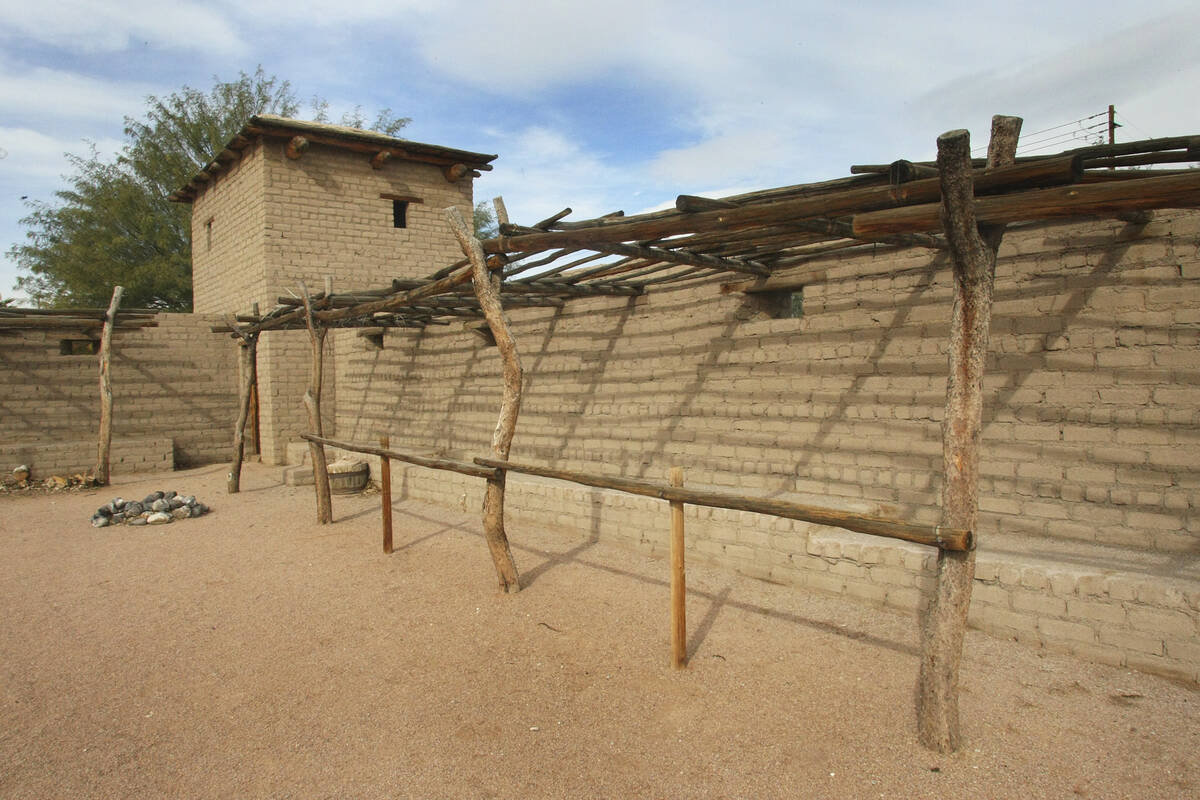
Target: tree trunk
487 290
974 258
106 397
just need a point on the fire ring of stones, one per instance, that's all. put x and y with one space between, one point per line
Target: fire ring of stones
156 508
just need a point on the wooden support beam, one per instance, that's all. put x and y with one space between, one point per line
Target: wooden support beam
678 579
487 290
456 172
248 375
295 147
312 404
932 535
385 491
106 395
974 260
1084 199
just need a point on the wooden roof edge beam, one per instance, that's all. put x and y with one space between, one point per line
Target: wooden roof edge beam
845 230
1046 172
1085 199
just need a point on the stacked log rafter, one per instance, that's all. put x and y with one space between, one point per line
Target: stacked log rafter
756 236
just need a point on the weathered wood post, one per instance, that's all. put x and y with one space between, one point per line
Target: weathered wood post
385 492
312 403
106 396
248 363
487 290
974 263
678 579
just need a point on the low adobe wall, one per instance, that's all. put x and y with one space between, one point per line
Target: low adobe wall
174 399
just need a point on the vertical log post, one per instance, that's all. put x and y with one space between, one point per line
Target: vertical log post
385 492
974 256
312 403
106 396
248 370
678 580
487 290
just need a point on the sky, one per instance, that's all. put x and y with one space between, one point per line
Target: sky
615 105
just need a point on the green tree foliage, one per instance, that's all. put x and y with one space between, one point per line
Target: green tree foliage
485 221
114 225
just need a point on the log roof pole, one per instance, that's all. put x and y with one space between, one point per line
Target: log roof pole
487 291
312 403
973 249
106 396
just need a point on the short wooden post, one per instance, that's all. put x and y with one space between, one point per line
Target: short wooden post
312 403
106 397
678 579
385 492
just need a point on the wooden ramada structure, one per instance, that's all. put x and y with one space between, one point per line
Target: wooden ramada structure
755 251
957 204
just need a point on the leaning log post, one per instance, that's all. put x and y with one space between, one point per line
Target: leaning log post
106 396
385 492
248 357
678 579
487 290
974 262
312 403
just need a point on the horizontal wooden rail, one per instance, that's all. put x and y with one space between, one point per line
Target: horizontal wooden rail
932 535
422 461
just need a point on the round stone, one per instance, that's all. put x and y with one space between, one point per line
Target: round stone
133 508
160 505
104 511
138 521
99 521
181 513
175 502
158 518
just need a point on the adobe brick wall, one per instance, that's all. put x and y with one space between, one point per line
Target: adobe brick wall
228 256
174 399
1091 415
278 221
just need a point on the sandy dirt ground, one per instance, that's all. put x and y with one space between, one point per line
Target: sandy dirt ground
253 653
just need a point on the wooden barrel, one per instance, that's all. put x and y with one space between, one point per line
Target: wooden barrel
348 477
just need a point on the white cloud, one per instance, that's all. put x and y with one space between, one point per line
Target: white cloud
105 26
45 92
542 170
35 155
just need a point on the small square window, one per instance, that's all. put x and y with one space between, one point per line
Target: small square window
776 304
78 347
399 213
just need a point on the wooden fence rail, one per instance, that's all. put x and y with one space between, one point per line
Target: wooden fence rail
421 461
933 535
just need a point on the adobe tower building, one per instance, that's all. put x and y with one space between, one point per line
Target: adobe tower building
289 201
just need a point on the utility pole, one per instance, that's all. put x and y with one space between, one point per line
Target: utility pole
1112 124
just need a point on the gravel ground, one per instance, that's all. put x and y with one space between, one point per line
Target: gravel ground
253 653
